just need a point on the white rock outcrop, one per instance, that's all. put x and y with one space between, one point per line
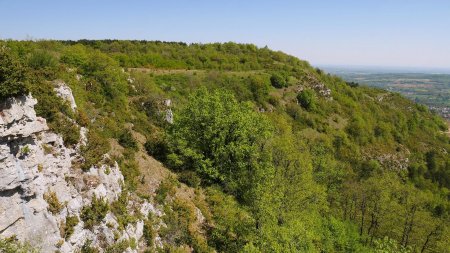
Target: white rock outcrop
64 91
34 161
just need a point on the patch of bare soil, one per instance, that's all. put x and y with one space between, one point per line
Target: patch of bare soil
153 172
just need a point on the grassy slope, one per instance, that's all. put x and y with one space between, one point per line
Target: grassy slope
340 139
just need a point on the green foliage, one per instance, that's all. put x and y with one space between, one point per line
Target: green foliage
118 247
278 80
11 245
156 148
130 171
178 219
56 111
307 99
126 140
388 245
259 86
325 176
94 150
219 138
120 210
87 248
234 226
166 188
12 75
75 55
69 131
25 150
54 206
41 59
149 232
69 226
93 214
190 178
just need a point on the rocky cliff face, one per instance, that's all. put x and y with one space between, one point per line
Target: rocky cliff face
35 164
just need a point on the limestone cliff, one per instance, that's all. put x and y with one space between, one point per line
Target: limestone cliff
34 163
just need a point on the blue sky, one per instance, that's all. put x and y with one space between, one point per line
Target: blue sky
407 33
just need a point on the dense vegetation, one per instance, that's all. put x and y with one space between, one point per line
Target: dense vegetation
281 164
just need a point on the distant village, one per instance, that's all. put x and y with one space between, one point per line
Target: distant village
441 110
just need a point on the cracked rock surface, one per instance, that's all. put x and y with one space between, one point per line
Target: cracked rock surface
35 161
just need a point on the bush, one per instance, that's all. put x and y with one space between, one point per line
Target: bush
278 81
149 233
157 149
126 140
69 225
190 178
119 247
166 187
179 219
119 209
130 171
87 248
95 148
70 132
11 245
42 59
92 215
259 86
25 150
54 206
307 99
12 75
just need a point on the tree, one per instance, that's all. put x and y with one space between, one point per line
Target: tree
220 138
12 75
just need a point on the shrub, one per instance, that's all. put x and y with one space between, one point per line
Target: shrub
126 140
119 209
149 233
69 131
307 99
190 178
41 59
25 150
118 247
278 81
54 206
166 187
82 118
11 245
95 148
69 225
259 86
12 75
92 215
157 149
178 219
130 171
87 248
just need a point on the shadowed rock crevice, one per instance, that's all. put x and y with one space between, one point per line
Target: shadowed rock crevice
11 192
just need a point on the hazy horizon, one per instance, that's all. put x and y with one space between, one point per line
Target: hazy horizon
367 33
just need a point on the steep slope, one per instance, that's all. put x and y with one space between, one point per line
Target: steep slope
40 190
222 148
